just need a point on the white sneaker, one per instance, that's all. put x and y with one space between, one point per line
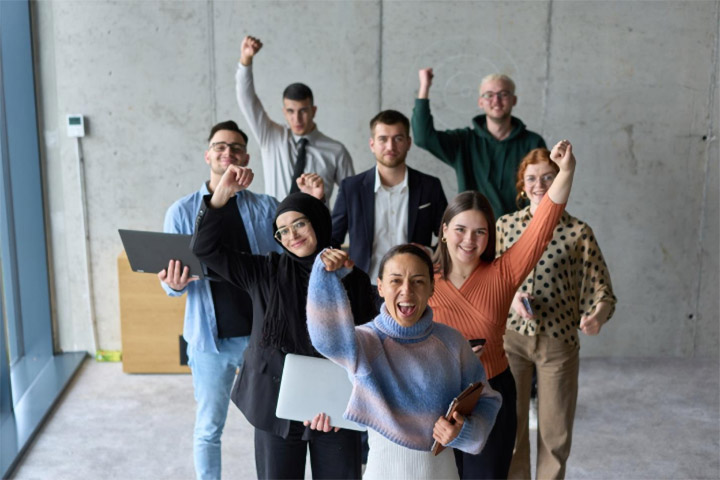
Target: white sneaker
532 414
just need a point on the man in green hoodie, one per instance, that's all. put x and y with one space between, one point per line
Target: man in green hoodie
485 156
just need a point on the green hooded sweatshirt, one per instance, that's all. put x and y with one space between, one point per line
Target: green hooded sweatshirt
480 161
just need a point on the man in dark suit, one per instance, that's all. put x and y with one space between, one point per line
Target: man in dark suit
389 204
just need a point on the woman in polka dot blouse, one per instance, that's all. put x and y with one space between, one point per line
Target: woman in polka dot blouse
568 290
474 290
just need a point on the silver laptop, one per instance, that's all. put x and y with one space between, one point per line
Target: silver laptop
313 385
150 252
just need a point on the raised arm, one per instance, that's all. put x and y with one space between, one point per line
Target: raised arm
242 269
562 155
500 246
329 314
312 184
443 145
520 258
250 46
426 76
262 127
233 180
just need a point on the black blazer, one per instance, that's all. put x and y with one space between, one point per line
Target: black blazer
354 211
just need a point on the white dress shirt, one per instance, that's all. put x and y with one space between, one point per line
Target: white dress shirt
278 145
391 220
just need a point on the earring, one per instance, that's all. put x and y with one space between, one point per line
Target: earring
523 194
443 239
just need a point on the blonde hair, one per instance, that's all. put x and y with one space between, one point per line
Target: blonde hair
498 77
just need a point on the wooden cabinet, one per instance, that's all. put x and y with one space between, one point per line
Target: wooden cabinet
151 323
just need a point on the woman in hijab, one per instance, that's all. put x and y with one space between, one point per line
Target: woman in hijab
277 284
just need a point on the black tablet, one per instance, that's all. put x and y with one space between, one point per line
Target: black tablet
150 252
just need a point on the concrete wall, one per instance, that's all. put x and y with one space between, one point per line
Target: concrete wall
633 84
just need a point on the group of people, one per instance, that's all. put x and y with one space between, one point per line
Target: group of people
393 309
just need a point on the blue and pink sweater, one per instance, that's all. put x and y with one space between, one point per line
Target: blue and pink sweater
403 378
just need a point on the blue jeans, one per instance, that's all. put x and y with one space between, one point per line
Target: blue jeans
213 375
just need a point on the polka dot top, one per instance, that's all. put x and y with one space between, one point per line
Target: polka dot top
570 279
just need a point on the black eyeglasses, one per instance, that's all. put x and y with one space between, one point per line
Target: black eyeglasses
234 147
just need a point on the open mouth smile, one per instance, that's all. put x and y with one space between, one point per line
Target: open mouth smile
406 309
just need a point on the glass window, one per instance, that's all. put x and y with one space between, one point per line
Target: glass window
31 375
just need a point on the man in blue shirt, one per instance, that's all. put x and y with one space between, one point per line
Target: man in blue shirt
218 315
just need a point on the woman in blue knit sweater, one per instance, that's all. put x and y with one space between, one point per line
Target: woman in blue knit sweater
405 368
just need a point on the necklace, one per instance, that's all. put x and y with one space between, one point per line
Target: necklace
458 279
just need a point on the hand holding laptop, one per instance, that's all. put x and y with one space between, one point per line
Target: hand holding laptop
310 385
176 276
156 252
321 421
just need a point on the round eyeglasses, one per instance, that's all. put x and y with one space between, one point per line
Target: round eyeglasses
546 179
298 226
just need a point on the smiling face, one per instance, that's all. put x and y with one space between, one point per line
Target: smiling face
226 148
537 179
467 237
499 105
296 233
406 286
299 115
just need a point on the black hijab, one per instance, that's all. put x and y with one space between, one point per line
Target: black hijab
285 325
318 214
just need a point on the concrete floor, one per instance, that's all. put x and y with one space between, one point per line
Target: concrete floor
636 419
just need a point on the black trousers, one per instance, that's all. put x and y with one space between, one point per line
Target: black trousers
494 460
332 454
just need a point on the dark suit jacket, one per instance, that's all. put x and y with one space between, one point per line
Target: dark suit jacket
354 211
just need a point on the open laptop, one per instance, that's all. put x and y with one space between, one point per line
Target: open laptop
150 252
313 385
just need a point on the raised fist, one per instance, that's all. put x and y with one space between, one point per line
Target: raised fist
250 46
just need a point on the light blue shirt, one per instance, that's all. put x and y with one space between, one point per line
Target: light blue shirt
258 213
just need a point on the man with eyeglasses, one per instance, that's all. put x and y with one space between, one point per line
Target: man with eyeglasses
287 152
218 316
485 156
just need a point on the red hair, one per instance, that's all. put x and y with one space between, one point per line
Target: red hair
535 156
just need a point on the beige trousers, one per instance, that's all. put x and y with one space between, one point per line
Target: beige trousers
557 365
